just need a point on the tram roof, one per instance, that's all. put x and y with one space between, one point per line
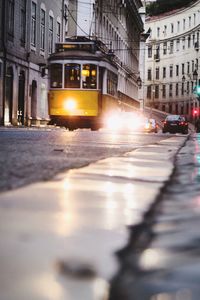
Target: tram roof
78 55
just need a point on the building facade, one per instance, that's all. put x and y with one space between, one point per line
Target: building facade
172 60
28 32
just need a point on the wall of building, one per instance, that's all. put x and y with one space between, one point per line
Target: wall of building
24 99
172 56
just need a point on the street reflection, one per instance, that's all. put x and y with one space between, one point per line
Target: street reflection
183 294
47 286
150 258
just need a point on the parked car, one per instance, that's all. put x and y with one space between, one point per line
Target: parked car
175 124
151 125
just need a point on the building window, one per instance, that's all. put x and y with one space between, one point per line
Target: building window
172 27
183 24
42 29
177 45
193 39
149 91
170 90
164 72
10 23
157 73
149 74
182 89
165 48
188 87
156 91
171 71
58 32
183 69
189 19
164 91
196 65
177 70
176 89
50 34
157 55
194 19
183 43
33 24
165 30
193 66
189 41
149 51
111 84
188 67
178 26
158 32
23 22
171 47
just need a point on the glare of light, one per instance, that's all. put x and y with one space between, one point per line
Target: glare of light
47 287
183 294
150 258
124 120
66 218
66 184
110 188
162 296
147 125
70 104
113 122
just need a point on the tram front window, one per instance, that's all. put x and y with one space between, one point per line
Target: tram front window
72 76
56 76
89 76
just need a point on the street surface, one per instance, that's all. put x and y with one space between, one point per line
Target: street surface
28 155
163 264
63 239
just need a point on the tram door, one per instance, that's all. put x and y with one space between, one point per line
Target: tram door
8 96
20 112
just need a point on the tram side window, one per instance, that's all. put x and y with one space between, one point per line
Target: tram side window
89 76
112 84
56 76
72 76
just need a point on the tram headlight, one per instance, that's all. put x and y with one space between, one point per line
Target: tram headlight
70 104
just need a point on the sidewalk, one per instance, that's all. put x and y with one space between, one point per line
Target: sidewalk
168 266
59 238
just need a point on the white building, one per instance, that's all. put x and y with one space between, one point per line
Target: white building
172 58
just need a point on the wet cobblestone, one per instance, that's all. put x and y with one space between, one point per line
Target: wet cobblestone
168 268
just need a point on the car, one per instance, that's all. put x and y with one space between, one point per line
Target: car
151 125
175 124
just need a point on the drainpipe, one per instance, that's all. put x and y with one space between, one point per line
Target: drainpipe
3 23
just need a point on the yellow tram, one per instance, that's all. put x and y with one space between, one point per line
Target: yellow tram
82 84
